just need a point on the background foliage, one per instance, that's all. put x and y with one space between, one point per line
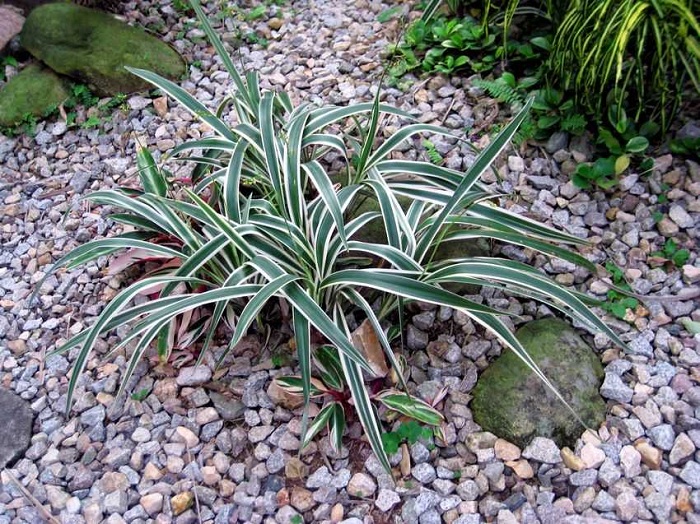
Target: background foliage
641 56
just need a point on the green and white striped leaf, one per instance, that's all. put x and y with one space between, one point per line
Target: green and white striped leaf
411 407
363 405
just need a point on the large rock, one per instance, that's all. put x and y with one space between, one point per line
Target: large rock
375 232
34 91
513 403
94 47
16 427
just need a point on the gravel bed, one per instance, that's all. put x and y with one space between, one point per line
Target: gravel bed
188 453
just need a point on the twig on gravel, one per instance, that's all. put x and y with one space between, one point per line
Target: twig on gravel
46 514
447 113
688 293
488 118
194 491
325 459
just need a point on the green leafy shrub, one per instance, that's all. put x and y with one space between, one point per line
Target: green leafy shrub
688 146
640 55
265 220
623 143
550 112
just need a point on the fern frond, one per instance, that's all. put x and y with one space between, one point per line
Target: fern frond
525 132
574 124
500 90
433 155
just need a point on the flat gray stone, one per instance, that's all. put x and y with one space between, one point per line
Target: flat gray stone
16 428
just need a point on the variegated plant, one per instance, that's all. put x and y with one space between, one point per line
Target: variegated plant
329 384
265 220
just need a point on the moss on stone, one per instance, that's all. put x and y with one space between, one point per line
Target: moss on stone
34 91
511 402
94 47
374 232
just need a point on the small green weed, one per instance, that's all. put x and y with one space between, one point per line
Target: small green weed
550 110
280 359
673 253
618 303
141 394
389 14
445 45
181 6
91 122
624 144
409 432
256 13
27 126
5 61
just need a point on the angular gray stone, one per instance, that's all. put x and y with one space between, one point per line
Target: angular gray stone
689 130
660 505
626 506
557 141
691 474
468 490
663 436
513 403
604 502
320 477
614 389
424 473
16 427
115 502
587 477
662 481
681 217
228 408
426 500
543 182
415 338
543 450
387 499
193 376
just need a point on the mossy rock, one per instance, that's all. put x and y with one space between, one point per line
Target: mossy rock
374 232
34 91
94 47
513 403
